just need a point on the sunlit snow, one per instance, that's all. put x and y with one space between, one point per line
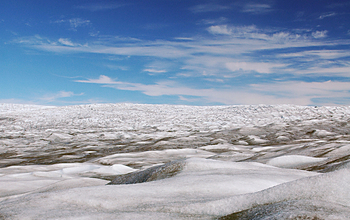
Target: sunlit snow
131 161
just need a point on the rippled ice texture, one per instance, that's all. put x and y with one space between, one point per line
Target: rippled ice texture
227 162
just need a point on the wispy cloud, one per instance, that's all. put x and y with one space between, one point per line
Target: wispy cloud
208 8
154 26
291 92
257 67
256 8
77 22
117 67
17 101
319 34
321 54
74 23
99 6
220 20
164 88
308 90
66 42
154 71
327 15
220 29
328 70
251 32
59 95
102 80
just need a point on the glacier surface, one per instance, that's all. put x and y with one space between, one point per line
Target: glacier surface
133 161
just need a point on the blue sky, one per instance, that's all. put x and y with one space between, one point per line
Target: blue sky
188 52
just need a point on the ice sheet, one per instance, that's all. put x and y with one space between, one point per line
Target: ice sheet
266 161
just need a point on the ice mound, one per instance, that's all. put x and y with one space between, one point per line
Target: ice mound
150 158
151 174
293 161
18 180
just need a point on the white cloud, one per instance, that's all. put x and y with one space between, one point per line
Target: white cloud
17 101
288 92
184 38
74 23
319 34
241 30
251 66
66 42
159 66
256 8
251 32
99 6
102 80
209 95
154 71
94 33
327 15
327 71
77 22
214 80
219 29
306 90
322 54
282 37
189 99
213 21
208 8
59 95
117 67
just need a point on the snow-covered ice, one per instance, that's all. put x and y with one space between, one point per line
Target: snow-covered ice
293 161
189 162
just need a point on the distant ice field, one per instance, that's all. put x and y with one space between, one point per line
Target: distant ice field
133 161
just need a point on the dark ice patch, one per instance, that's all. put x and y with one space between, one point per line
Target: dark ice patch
151 174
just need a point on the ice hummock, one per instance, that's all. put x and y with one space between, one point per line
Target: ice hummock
174 162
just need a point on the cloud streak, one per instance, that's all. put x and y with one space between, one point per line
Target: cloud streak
327 15
309 90
289 92
99 6
59 95
211 7
102 80
255 8
74 23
